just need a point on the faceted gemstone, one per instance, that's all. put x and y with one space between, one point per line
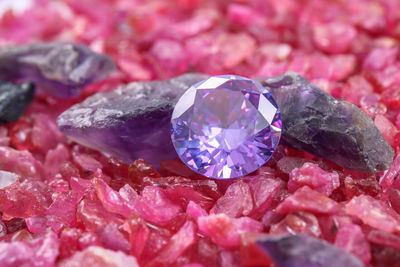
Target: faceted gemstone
141 108
225 126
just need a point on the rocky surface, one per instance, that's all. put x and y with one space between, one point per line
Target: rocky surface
315 122
131 122
301 250
60 69
63 203
14 100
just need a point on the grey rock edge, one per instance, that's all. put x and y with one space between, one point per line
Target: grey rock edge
134 121
59 69
315 122
302 251
14 98
131 122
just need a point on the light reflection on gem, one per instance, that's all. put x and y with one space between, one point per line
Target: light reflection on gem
225 126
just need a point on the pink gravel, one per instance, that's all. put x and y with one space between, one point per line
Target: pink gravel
67 205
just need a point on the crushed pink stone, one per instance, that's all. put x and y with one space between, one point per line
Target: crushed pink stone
66 205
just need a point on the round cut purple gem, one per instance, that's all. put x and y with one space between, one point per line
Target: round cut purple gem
225 126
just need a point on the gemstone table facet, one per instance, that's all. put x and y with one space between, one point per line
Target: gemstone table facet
225 126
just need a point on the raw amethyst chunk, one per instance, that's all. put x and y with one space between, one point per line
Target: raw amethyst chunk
301 251
315 122
61 69
14 98
131 122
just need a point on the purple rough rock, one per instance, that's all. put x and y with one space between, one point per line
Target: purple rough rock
301 251
315 122
131 122
60 69
134 121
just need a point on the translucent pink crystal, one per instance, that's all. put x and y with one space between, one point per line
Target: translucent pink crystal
195 211
112 238
225 231
297 222
170 57
155 207
379 58
20 162
356 87
312 175
178 243
40 251
97 256
113 201
306 199
384 238
93 216
387 129
236 202
265 191
374 213
7 178
24 199
63 204
351 238
334 37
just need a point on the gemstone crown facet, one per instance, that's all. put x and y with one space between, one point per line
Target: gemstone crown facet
225 126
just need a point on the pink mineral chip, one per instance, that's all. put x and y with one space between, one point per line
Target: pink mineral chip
65 204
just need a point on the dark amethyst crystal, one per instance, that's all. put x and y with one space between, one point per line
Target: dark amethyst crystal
315 122
131 122
302 251
14 98
134 121
60 69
